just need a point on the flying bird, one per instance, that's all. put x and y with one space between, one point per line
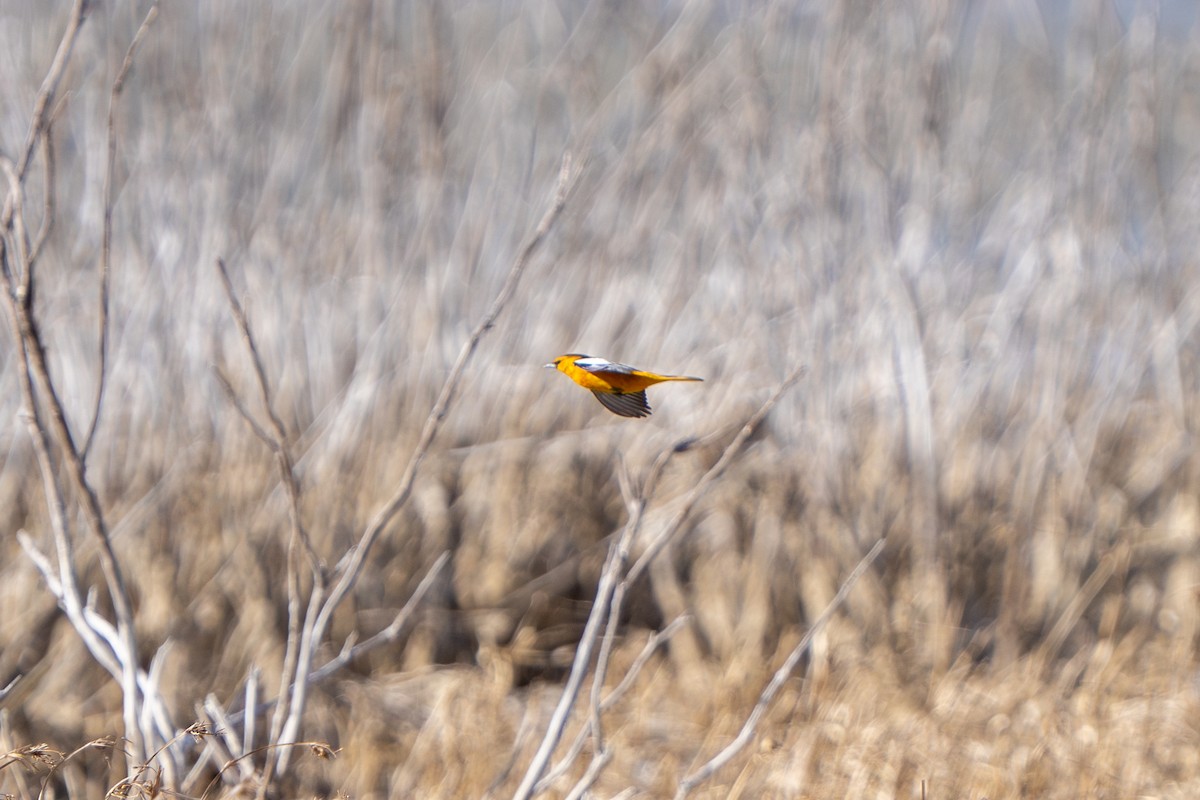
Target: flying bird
619 387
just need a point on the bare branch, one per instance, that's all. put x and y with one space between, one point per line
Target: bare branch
589 777
69 596
48 197
393 631
214 753
301 648
652 644
96 632
731 451
225 732
602 606
317 627
781 675
106 236
352 651
244 412
37 124
437 414
53 426
20 237
321 750
275 436
47 423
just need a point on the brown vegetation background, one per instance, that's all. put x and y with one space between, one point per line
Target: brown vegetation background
976 223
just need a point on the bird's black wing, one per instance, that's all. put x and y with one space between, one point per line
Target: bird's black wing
631 404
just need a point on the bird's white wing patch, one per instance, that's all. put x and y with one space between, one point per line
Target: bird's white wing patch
597 364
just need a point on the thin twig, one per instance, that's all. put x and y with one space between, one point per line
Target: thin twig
49 204
38 391
524 730
224 730
44 755
69 598
393 631
614 565
20 237
355 650
603 756
214 752
276 436
297 663
11 685
96 632
652 644
106 234
781 675
433 422
37 124
236 401
693 496
317 626
251 701
124 787
113 645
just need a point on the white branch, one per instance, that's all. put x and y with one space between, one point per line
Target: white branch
764 701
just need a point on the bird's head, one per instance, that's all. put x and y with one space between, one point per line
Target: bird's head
558 362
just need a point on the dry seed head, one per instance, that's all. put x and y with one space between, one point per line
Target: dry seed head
200 729
35 755
322 751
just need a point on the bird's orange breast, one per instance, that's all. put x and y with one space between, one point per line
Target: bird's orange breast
596 381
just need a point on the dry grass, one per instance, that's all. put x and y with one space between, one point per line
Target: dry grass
977 226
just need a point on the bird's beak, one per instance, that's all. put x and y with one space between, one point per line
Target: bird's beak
549 366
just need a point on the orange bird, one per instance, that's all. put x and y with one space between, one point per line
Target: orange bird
619 387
